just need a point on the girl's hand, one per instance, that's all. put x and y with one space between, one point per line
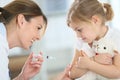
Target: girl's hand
31 68
105 59
83 61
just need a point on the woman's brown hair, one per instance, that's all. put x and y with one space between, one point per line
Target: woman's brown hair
26 7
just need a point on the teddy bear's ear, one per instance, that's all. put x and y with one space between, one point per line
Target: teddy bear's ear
94 44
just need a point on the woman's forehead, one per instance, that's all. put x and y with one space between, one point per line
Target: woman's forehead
39 20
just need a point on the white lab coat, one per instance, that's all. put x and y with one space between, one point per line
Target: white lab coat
4 50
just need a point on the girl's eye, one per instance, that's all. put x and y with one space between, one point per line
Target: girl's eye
79 30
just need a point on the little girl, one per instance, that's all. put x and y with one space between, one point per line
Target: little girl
87 18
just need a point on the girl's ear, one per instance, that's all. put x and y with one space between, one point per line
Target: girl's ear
95 19
20 20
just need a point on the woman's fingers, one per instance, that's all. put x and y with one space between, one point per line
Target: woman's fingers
37 60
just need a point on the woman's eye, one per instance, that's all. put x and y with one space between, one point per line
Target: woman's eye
39 28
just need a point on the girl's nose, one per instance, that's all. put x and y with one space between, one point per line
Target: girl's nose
79 35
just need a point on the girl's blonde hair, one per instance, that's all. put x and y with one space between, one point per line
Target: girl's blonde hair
83 10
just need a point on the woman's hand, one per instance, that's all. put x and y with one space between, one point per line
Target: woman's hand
30 68
65 75
105 59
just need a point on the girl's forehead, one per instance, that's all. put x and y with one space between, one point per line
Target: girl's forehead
72 25
78 23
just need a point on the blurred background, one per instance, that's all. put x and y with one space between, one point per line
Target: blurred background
58 41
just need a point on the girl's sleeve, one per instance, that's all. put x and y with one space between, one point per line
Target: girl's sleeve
79 44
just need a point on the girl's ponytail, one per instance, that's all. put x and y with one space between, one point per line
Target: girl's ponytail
108 11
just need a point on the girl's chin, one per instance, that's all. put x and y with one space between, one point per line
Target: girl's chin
87 41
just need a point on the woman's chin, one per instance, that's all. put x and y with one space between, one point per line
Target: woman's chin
26 47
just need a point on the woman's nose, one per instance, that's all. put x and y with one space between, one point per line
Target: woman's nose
38 37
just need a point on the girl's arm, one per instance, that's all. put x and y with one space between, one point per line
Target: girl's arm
109 71
76 72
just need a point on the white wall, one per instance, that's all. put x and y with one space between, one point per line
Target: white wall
116 8
4 2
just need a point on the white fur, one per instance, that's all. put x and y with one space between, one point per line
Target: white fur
103 46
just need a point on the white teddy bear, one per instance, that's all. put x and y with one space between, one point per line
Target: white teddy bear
104 46
100 47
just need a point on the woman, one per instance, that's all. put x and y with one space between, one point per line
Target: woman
21 23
